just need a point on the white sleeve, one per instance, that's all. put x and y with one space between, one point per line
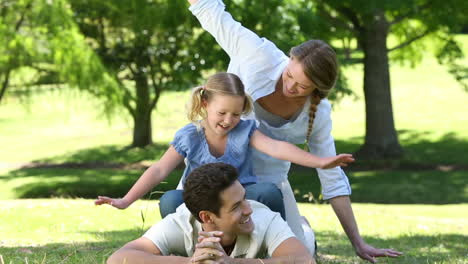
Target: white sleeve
321 143
168 236
277 232
237 41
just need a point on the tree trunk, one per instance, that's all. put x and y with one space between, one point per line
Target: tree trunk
5 83
142 118
381 140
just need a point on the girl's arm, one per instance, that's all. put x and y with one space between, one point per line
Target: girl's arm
150 178
287 151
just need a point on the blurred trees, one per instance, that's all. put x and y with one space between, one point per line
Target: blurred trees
147 46
360 31
129 52
40 45
364 28
19 31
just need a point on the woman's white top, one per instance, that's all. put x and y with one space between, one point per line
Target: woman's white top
259 64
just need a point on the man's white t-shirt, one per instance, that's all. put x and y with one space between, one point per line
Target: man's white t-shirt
177 233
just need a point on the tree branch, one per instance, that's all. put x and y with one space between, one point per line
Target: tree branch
409 41
21 20
352 16
335 20
5 84
157 91
6 80
413 11
127 98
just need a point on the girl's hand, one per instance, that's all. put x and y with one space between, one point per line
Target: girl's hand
339 160
117 203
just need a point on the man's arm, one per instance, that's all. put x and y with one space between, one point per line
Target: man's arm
290 251
143 250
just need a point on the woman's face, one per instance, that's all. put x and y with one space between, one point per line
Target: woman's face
295 82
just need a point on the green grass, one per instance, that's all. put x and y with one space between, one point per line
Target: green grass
56 123
76 231
68 231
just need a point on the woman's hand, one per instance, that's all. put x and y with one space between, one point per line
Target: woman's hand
338 160
117 203
369 253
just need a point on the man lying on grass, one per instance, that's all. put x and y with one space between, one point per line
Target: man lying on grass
216 225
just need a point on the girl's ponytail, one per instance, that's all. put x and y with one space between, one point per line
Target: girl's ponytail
196 111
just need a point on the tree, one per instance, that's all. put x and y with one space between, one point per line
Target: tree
369 24
147 46
41 37
15 45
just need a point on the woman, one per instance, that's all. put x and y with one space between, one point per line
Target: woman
290 105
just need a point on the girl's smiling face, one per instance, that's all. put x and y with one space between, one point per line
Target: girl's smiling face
223 113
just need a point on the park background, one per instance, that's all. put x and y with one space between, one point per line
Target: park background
72 72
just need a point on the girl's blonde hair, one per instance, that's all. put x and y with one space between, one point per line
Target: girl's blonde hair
320 65
219 83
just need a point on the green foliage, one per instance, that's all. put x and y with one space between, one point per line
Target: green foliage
41 36
148 48
345 23
452 55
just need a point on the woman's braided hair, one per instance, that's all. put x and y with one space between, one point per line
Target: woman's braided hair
320 65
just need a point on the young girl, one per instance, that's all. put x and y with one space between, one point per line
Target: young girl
217 134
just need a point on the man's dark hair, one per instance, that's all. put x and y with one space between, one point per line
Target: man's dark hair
203 187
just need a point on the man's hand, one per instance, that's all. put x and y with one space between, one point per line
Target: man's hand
369 253
209 250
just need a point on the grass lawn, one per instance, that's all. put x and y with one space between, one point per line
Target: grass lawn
76 231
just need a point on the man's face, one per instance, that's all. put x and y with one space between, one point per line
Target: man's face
234 214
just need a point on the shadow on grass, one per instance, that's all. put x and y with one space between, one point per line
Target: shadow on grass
390 187
420 148
437 248
332 248
110 154
398 187
89 183
374 184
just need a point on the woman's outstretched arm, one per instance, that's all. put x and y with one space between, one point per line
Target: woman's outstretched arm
343 210
236 40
